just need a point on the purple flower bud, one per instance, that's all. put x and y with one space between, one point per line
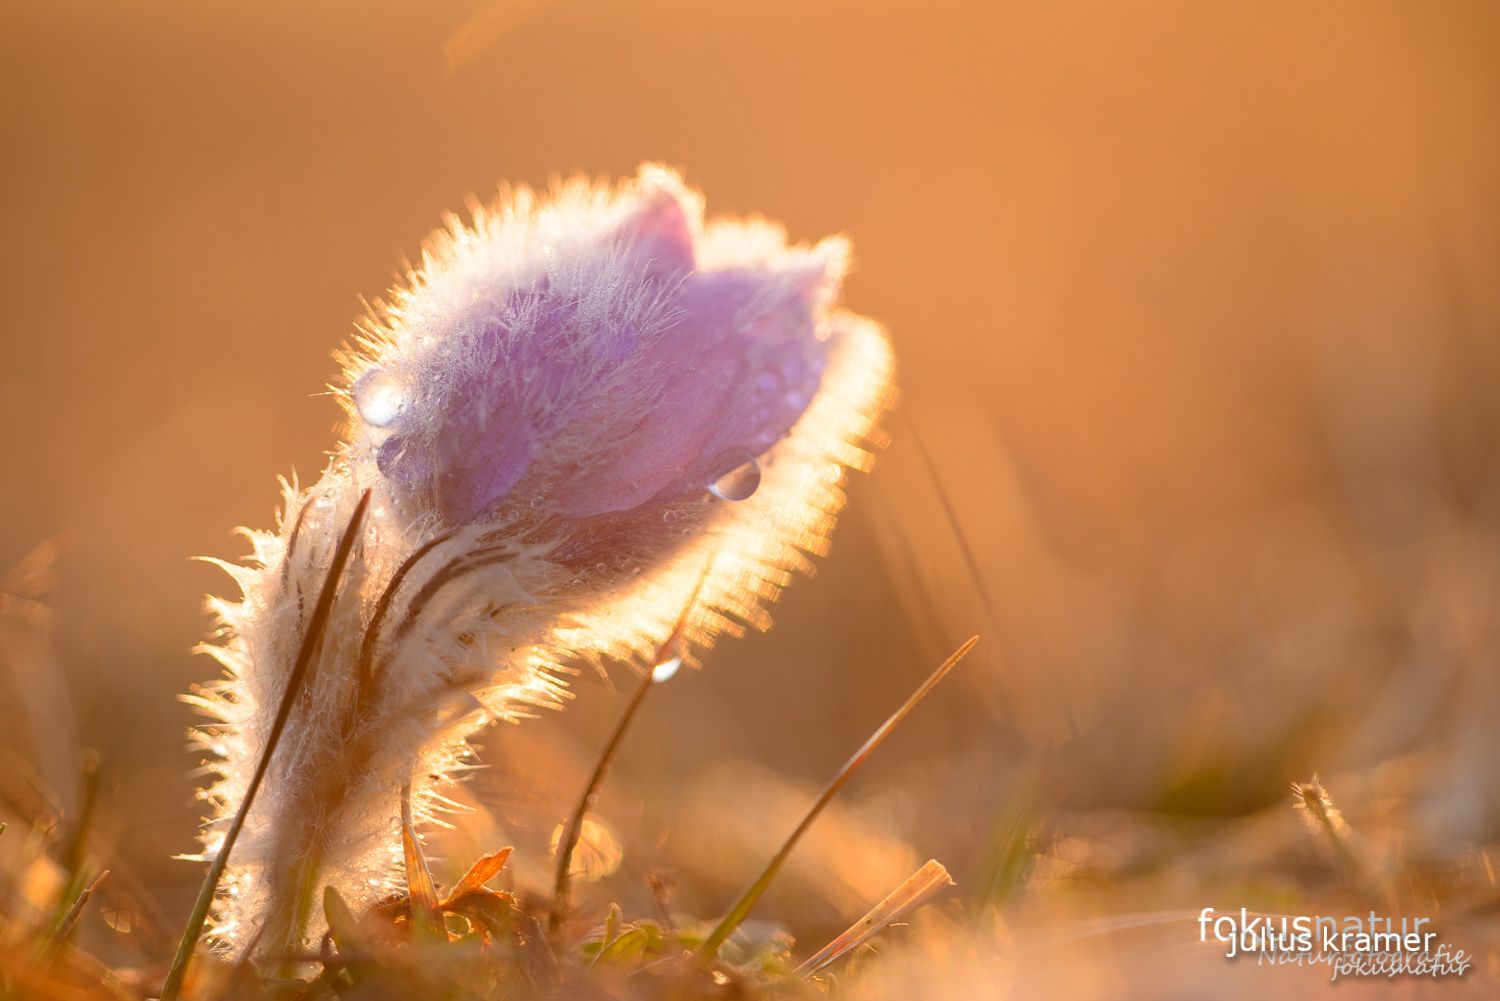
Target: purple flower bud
602 368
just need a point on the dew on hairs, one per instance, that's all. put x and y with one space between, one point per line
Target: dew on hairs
379 400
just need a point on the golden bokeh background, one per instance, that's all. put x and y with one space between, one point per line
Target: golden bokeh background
1197 308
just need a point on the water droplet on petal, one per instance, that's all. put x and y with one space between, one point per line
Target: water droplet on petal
664 671
740 477
378 398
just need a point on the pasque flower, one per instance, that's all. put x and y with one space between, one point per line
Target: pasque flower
578 414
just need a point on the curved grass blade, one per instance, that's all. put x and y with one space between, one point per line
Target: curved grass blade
738 912
568 843
294 684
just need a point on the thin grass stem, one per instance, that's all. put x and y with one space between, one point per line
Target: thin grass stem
748 899
951 513
568 843
970 560
294 685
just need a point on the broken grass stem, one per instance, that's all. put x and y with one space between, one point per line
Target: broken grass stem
295 682
738 912
918 887
59 936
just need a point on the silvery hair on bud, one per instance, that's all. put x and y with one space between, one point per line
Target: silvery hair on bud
575 412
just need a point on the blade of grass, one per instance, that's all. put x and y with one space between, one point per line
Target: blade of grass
737 913
294 685
922 884
952 515
571 834
1013 845
970 561
421 892
568 843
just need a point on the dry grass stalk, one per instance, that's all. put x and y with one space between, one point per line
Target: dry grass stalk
920 886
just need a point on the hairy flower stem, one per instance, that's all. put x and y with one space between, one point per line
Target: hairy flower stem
294 920
748 899
294 685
